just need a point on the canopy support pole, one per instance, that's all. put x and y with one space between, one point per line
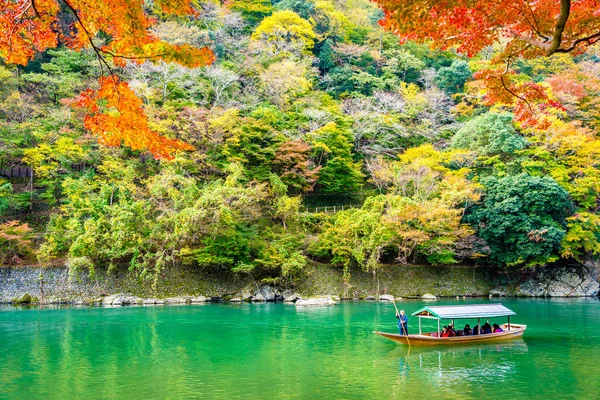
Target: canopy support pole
439 332
420 326
479 326
509 322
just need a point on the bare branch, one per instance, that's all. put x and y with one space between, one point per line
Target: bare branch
589 39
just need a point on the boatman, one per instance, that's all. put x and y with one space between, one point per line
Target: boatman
402 322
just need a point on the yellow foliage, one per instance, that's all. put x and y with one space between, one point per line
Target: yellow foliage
285 27
421 174
285 80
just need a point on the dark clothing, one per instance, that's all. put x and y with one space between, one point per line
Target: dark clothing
467 331
402 324
487 328
476 330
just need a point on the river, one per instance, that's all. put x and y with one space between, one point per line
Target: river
224 351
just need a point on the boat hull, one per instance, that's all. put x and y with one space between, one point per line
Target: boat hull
515 332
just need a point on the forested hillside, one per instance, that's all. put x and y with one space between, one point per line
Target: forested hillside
309 107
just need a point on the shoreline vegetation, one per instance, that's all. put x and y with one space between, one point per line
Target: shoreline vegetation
297 145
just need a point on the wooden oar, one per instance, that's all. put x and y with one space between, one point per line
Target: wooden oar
401 324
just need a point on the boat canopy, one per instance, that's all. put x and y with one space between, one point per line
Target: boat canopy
464 311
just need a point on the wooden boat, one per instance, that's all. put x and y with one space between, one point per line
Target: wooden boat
479 311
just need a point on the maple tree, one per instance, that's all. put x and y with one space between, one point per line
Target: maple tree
118 31
523 28
530 27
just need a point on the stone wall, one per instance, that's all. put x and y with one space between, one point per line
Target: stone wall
317 280
58 286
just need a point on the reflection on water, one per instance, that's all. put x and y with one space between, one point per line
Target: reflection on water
279 351
457 365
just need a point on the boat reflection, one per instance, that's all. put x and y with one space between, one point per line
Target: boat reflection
445 366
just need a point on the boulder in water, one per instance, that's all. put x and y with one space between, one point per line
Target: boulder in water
120 300
259 297
176 300
386 297
428 296
198 299
315 302
291 297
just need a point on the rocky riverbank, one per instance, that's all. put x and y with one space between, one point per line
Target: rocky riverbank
184 285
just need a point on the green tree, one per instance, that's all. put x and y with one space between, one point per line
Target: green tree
253 11
522 218
332 145
489 134
452 79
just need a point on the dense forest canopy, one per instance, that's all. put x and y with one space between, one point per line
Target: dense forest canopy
259 136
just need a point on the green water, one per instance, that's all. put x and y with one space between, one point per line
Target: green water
266 351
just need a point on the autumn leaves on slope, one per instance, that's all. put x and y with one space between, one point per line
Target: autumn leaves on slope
306 102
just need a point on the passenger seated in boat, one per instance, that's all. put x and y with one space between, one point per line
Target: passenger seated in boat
445 332
467 330
451 329
476 330
497 328
487 328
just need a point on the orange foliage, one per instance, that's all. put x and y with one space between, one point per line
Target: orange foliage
14 242
32 26
535 27
525 28
115 114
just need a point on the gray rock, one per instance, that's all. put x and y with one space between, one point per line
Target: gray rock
315 302
133 300
386 297
259 298
428 296
267 292
149 302
247 295
590 287
564 286
531 288
198 299
370 298
235 300
120 300
561 282
176 300
496 292
290 298
108 300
